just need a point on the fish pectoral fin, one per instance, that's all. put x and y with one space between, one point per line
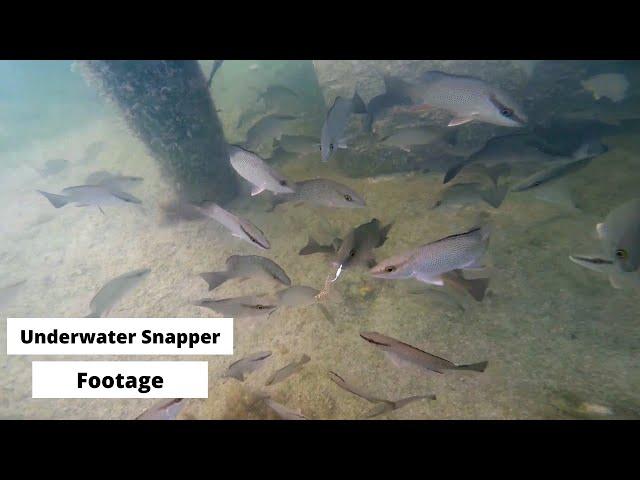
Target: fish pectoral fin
601 229
255 190
615 281
454 122
437 280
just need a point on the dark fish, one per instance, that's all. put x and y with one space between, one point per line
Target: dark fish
114 290
357 247
164 410
245 266
402 353
243 367
286 372
335 124
267 128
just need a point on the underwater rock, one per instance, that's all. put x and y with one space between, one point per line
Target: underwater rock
166 103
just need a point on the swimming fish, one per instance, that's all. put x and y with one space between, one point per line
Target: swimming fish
175 211
239 227
249 364
300 144
391 405
613 86
467 99
428 262
325 193
342 383
408 137
335 124
256 171
313 246
53 167
8 293
114 290
90 195
357 247
250 306
298 296
402 354
284 412
267 128
112 181
164 410
463 194
287 371
245 266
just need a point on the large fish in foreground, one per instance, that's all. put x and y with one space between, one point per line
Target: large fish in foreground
402 354
114 290
619 235
90 195
429 262
335 124
256 171
245 266
239 227
466 98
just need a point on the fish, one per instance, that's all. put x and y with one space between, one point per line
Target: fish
313 246
325 193
613 86
90 195
53 167
239 227
391 405
467 99
284 412
164 410
342 383
298 296
428 262
257 172
245 266
335 123
114 291
357 247
406 138
619 235
267 128
240 369
286 372
175 211
250 306
8 293
92 151
463 194
214 68
112 181
300 144
275 96
383 103
402 354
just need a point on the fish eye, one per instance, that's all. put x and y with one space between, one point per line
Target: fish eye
390 269
348 198
260 307
535 184
331 146
283 183
352 253
506 112
621 253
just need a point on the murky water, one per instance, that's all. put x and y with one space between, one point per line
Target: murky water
560 341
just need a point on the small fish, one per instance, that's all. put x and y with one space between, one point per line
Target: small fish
463 194
239 227
250 306
286 372
314 247
112 181
8 293
335 123
342 383
467 99
114 290
243 367
325 193
90 195
267 128
214 68
402 354
357 247
299 144
298 296
257 172
613 86
428 262
390 405
53 167
164 410
409 137
284 412
275 96
245 266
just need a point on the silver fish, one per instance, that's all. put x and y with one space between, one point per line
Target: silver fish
391 405
90 195
463 194
114 290
287 371
245 266
467 98
325 193
408 137
256 171
357 247
267 128
8 293
335 123
299 144
342 383
284 412
250 306
239 227
164 410
243 367
298 296
404 354
428 262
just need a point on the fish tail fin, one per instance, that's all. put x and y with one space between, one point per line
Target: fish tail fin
477 288
57 201
474 367
311 247
358 105
496 196
384 233
214 279
453 171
